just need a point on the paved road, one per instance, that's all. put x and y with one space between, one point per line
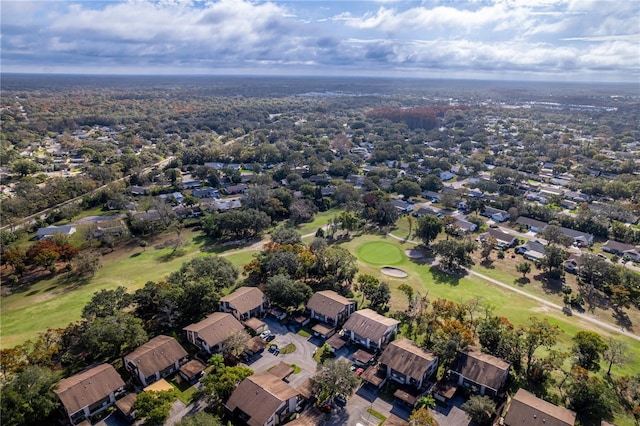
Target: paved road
552 305
32 218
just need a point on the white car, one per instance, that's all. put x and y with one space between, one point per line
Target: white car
265 334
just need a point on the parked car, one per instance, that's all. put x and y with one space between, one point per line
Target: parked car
340 399
270 337
265 334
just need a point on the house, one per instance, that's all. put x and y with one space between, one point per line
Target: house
211 332
240 188
50 231
504 241
226 204
262 400
402 206
577 196
244 303
446 175
191 184
89 392
528 409
465 225
173 196
329 307
532 250
206 192
407 363
156 359
424 211
580 238
434 197
532 225
616 247
370 329
549 190
495 214
484 374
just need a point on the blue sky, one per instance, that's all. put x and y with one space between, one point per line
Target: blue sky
566 40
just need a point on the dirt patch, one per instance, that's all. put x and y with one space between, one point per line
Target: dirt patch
414 254
394 272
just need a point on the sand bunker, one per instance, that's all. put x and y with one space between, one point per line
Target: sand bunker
394 272
414 254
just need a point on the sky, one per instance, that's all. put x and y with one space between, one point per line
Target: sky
557 40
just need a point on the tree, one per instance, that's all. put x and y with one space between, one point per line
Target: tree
200 418
524 268
87 263
539 333
422 417
455 254
590 396
480 409
407 188
588 346
553 260
616 353
428 228
380 297
367 285
25 167
283 235
222 380
554 235
285 292
235 344
154 407
27 397
108 337
487 245
334 377
106 303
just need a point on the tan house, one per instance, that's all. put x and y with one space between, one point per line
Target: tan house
329 307
370 329
156 359
484 374
209 333
528 409
244 303
89 392
407 363
262 400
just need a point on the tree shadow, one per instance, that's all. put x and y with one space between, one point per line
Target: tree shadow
444 277
487 263
136 254
521 281
622 319
174 254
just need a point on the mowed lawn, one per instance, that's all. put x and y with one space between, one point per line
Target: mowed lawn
55 302
516 308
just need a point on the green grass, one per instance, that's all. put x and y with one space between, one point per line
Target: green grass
288 349
56 301
380 253
516 308
185 392
320 219
304 333
377 415
296 368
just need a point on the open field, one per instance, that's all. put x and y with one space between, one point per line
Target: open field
55 302
516 308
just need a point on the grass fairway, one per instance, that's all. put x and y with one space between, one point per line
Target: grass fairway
55 302
380 253
516 308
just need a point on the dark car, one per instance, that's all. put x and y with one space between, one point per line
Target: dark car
273 348
270 337
340 399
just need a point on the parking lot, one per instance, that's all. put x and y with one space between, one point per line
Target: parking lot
355 412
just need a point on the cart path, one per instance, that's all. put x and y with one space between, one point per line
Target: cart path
552 305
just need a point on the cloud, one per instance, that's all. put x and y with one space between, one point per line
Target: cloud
549 37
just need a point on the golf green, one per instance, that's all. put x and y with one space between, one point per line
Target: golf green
380 253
